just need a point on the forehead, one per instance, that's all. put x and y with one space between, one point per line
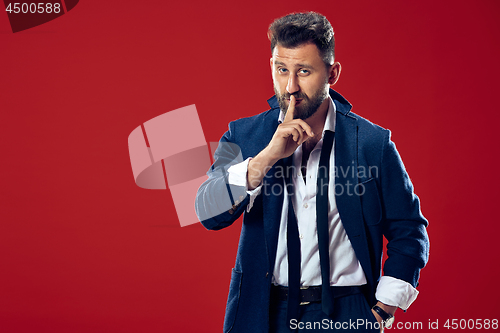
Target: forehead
305 53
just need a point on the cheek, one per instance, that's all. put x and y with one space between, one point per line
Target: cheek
279 83
320 84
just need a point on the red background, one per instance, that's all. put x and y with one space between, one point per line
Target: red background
83 249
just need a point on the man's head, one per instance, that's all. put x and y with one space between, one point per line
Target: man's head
297 29
302 61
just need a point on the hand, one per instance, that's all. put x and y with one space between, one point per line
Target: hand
289 135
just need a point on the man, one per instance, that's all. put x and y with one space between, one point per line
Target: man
319 187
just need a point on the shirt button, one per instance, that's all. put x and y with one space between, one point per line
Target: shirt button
301 236
306 205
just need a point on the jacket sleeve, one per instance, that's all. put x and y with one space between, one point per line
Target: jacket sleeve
218 204
404 225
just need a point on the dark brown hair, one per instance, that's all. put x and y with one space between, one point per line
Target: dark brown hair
297 29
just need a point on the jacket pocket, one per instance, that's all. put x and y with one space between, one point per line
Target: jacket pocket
232 300
370 202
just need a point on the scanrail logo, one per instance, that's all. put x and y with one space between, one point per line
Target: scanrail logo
28 14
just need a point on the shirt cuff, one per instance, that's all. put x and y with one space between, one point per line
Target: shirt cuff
395 292
237 175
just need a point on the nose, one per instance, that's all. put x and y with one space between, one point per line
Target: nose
293 84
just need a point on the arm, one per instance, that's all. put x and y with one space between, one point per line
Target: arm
404 227
218 202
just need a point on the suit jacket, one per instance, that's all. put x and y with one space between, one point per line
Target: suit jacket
386 206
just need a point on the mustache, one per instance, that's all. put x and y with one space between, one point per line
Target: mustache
296 95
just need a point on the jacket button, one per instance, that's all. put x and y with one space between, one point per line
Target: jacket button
231 211
267 274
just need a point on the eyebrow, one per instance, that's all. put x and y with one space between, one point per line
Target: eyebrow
298 65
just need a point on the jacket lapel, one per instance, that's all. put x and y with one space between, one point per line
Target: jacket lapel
348 203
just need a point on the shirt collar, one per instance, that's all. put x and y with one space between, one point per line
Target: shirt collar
330 116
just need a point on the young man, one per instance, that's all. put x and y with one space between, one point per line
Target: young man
319 187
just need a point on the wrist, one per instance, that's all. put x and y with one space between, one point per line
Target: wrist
387 308
266 158
258 168
386 319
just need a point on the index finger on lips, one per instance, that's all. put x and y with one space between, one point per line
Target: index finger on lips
291 109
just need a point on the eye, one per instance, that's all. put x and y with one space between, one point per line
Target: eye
282 70
304 72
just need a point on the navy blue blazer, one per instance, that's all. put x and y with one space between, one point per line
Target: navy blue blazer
387 207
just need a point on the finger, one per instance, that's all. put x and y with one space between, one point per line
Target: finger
301 126
296 130
296 134
306 128
302 134
291 109
304 139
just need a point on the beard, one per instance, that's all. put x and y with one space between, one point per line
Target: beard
307 107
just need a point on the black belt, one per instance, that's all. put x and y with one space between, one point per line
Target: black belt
313 293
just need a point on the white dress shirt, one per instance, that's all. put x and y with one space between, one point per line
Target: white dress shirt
345 269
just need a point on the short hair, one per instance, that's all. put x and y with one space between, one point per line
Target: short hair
297 29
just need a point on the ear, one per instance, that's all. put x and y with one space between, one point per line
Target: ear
271 63
334 73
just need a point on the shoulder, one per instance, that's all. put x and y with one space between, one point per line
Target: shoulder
346 118
370 139
254 126
268 117
252 134
368 130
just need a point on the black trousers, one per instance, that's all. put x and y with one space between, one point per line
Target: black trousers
351 314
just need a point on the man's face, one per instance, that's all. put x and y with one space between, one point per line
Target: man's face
301 72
